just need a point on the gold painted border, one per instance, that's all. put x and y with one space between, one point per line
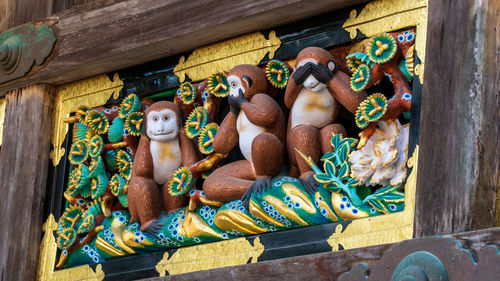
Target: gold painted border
211 255
222 56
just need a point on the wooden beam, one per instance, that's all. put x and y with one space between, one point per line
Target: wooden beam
459 159
110 37
23 177
329 266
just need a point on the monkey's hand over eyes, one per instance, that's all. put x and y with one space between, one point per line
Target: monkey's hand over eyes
236 102
322 73
300 75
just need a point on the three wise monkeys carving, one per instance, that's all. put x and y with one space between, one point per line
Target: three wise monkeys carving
256 123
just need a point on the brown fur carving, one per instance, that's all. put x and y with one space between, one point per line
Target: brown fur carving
255 122
313 95
163 148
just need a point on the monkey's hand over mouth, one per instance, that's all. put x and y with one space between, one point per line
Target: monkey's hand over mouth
322 73
236 102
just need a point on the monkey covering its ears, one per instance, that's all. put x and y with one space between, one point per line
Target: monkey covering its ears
163 148
255 122
313 95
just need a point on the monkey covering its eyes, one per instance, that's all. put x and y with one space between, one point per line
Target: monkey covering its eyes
313 95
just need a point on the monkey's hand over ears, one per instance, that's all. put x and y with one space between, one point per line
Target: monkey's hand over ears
322 73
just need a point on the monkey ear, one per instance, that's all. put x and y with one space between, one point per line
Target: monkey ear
247 80
144 125
331 65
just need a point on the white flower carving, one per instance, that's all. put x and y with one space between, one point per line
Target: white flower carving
382 161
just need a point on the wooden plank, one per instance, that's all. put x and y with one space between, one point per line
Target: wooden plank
460 125
23 176
94 40
329 266
17 12
62 5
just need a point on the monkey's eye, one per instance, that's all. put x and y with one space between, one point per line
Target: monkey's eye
165 118
233 85
156 119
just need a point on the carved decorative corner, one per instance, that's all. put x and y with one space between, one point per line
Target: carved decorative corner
2 118
430 258
381 229
208 256
22 47
390 15
91 92
47 260
220 57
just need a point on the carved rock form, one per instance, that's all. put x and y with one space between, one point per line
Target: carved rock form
21 48
382 161
429 259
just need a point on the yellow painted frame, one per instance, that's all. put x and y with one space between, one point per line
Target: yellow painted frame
377 16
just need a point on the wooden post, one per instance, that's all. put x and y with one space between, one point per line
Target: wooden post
17 12
24 160
460 126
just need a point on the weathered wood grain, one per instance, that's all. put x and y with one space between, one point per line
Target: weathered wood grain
98 40
460 125
62 5
17 12
329 266
23 176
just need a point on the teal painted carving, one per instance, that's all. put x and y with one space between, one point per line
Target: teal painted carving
433 259
420 266
22 47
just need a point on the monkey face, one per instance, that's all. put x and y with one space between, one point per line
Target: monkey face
313 75
236 86
248 80
162 125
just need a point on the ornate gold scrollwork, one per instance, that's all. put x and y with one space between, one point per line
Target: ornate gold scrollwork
247 49
213 255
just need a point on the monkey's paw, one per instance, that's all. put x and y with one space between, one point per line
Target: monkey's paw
310 184
154 227
260 185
